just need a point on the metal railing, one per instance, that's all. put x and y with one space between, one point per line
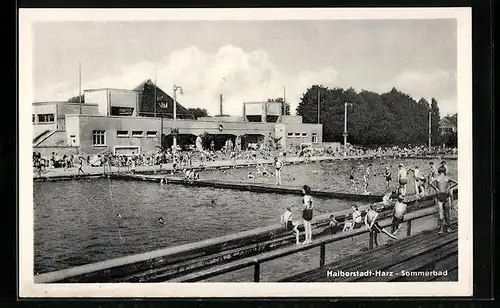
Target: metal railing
257 261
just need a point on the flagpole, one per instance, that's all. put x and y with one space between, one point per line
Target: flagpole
80 84
155 102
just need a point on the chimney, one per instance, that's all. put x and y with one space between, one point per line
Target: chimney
220 110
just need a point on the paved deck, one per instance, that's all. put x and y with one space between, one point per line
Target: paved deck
407 259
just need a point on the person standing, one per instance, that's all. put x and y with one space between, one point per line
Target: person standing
442 184
278 165
388 177
402 179
398 216
366 177
307 213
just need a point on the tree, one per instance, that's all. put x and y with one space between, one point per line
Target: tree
435 118
76 99
197 112
392 118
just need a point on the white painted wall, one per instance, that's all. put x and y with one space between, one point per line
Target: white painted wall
99 97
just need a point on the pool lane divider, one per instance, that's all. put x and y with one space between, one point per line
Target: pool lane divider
259 188
167 263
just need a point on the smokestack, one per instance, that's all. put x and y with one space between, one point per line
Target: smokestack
220 107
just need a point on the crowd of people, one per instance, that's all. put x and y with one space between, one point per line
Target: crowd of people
436 182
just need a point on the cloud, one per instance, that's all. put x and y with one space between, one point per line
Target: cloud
237 74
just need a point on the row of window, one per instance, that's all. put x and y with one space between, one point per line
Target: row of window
314 136
297 134
43 118
136 133
99 136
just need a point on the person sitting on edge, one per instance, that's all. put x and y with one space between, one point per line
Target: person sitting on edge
442 184
333 225
287 220
398 215
357 220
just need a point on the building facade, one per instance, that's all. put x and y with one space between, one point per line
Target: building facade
111 122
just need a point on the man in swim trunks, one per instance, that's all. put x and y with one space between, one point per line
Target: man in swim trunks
287 220
398 216
278 165
371 224
442 184
420 180
402 179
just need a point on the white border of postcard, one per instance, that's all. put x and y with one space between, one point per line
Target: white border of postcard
27 287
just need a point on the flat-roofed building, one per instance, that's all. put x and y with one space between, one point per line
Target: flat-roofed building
125 121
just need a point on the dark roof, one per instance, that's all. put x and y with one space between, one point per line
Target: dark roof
146 90
449 121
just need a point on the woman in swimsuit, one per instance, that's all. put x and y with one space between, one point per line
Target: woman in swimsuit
388 177
307 213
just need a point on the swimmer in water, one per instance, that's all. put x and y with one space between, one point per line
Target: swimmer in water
351 179
213 203
250 175
398 215
371 224
161 221
287 220
442 184
119 216
402 179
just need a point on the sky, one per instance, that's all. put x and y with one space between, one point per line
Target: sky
248 60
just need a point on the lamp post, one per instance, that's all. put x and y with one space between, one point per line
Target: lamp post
176 87
430 133
345 125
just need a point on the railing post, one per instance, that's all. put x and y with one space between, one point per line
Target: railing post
370 245
322 255
408 228
256 272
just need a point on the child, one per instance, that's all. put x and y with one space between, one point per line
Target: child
399 212
286 219
333 226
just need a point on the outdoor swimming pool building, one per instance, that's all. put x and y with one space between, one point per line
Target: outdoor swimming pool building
125 121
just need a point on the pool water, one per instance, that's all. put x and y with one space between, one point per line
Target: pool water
76 222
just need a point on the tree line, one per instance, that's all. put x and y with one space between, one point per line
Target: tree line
392 118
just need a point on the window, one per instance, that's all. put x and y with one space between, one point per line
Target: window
137 133
46 118
33 118
122 133
304 134
297 134
151 134
315 137
290 134
98 137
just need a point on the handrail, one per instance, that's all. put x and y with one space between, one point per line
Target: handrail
165 256
256 261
